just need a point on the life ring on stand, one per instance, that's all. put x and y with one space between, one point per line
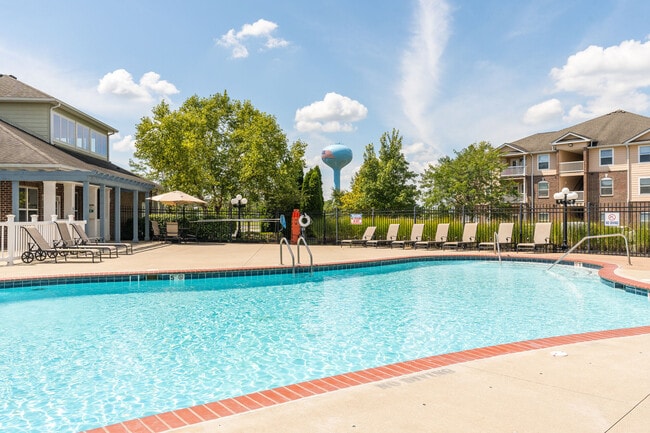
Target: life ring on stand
304 220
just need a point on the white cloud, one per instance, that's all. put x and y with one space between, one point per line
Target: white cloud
420 65
607 78
544 112
120 82
259 29
122 144
333 114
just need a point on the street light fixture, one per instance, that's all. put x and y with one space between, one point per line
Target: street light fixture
239 202
565 197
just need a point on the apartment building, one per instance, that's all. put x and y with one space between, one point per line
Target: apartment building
605 160
55 161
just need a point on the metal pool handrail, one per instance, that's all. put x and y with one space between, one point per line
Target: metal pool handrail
311 257
497 247
293 260
627 248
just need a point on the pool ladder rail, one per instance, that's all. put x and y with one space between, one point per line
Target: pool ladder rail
302 240
620 235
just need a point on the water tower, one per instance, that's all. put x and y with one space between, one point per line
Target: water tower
337 156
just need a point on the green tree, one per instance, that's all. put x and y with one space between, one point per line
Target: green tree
384 181
312 192
471 178
215 148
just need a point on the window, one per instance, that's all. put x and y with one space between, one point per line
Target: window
543 217
645 217
543 162
606 186
644 185
27 203
83 137
68 131
606 157
644 153
542 189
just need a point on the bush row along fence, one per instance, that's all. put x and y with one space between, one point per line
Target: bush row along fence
631 220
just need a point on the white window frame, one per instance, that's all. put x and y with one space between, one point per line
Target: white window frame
539 190
600 157
600 187
25 210
647 179
547 162
645 154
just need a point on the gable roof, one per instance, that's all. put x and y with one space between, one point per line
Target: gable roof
617 127
14 90
20 151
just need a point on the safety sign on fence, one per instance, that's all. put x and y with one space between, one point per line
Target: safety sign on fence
612 219
355 218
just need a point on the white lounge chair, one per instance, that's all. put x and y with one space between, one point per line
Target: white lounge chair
416 235
367 235
391 236
541 238
468 239
441 237
40 249
504 237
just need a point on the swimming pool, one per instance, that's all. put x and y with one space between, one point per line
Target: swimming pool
73 357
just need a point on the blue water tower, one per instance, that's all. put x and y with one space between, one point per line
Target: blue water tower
336 156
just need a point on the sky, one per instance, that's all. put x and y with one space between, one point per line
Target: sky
445 73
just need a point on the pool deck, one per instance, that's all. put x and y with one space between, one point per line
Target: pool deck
598 383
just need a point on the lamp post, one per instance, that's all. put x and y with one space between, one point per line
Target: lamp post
565 197
239 202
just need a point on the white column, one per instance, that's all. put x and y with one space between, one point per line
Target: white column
49 198
68 198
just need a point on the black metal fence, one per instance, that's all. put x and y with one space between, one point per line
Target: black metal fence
259 225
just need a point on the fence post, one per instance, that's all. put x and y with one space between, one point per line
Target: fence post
521 222
324 227
588 227
11 239
336 217
415 206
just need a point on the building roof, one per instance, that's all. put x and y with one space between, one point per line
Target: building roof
20 151
14 90
614 128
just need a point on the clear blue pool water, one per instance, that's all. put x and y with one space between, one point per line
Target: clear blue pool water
79 356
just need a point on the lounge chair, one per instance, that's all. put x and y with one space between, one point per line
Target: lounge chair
391 236
367 235
157 234
541 238
504 237
83 239
468 239
40 249
172 233
416 235
441 237
67 241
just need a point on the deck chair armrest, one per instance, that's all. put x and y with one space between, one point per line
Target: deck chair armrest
58 243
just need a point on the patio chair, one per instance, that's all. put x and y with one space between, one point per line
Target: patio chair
67 241
468 239
40 249
416 235
367 235
157 234
541 238
83 239
173 232
441 237
391 236
503 238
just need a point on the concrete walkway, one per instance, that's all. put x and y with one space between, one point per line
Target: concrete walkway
598 386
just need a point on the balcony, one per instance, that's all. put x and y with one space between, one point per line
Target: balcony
517 198
514 170
572 167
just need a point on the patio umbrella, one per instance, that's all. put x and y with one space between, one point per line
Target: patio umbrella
175 198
